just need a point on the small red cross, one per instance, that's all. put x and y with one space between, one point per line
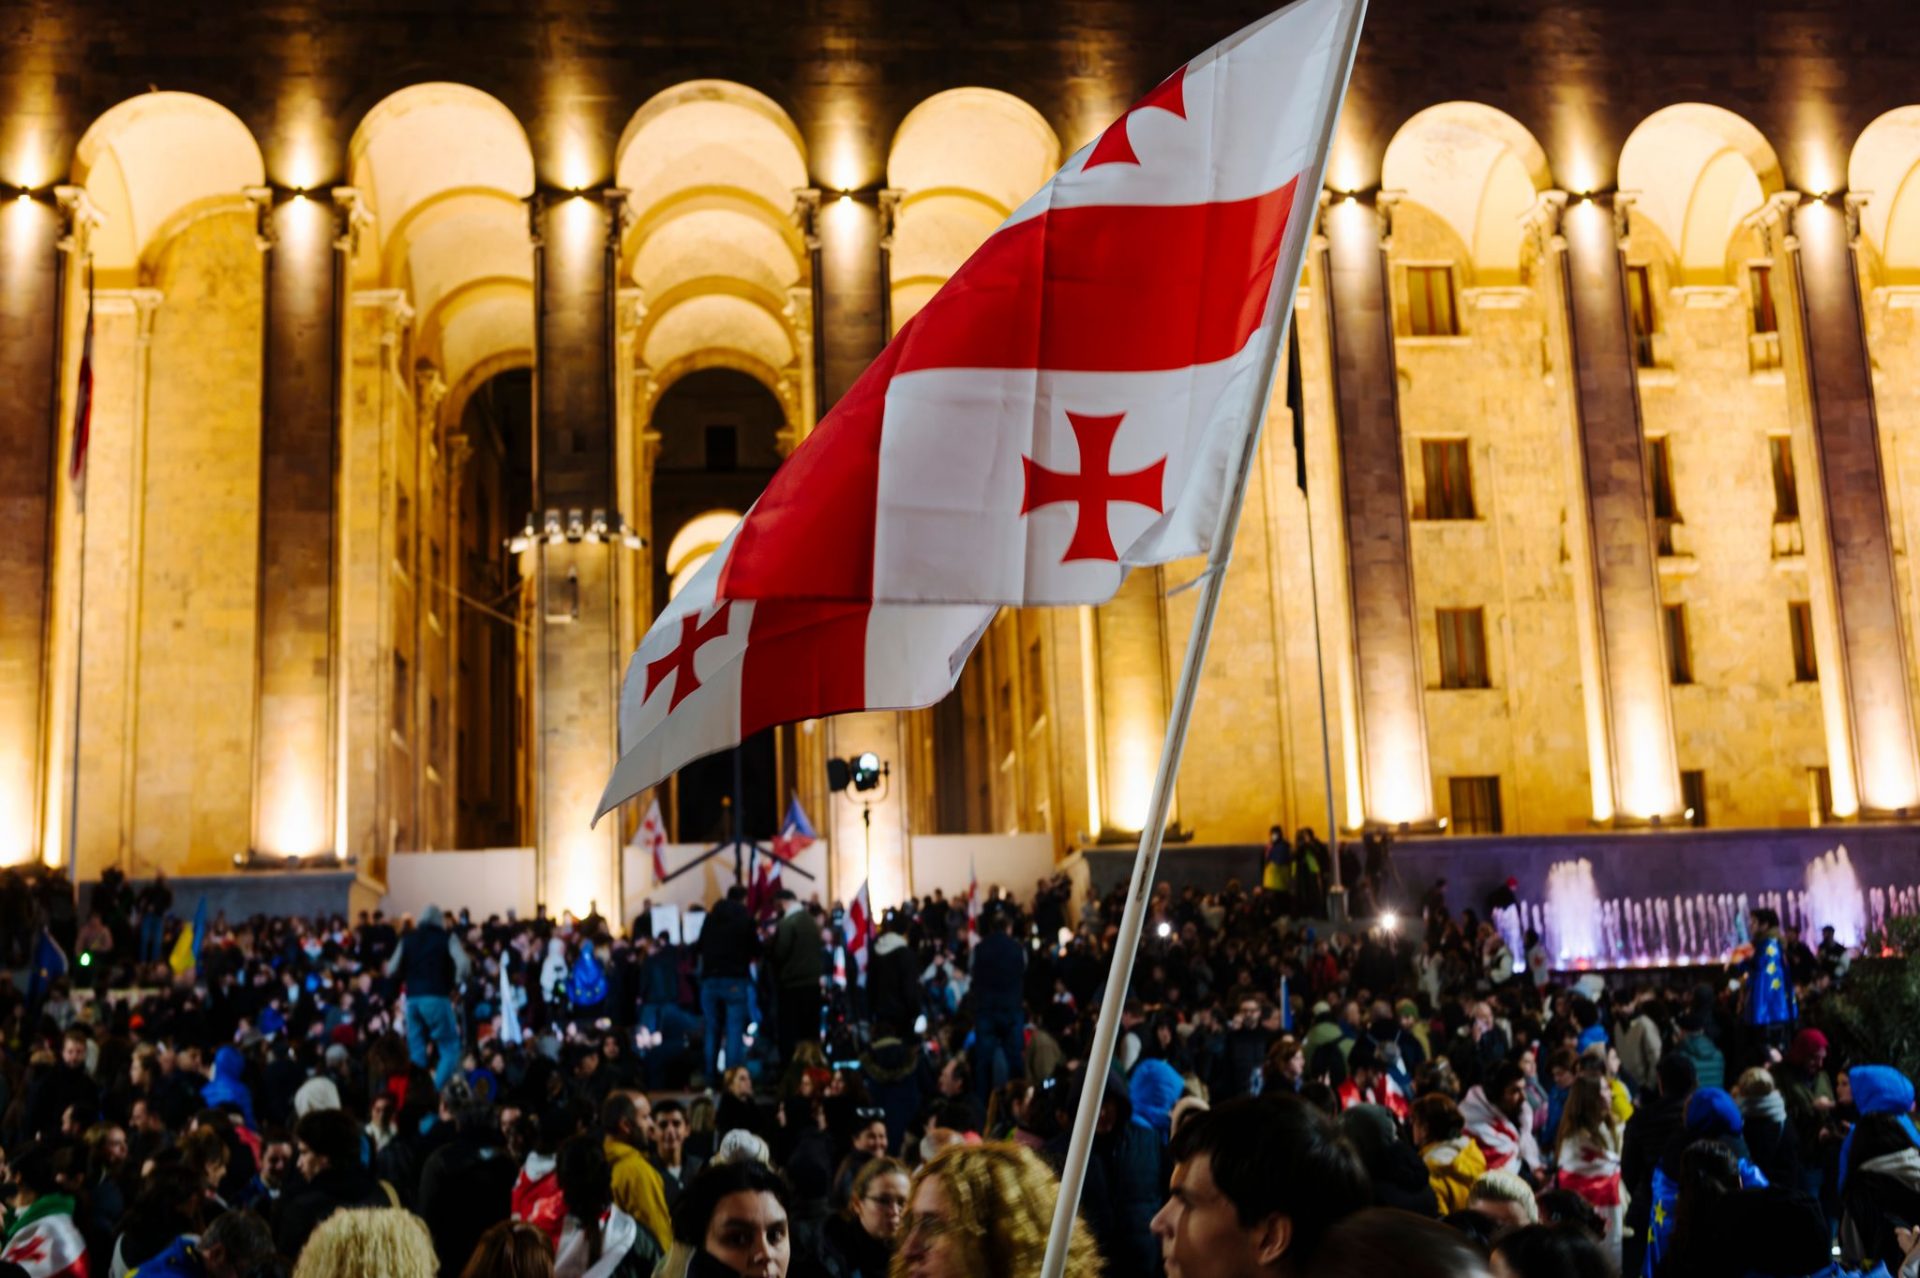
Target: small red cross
694 635
33 1248
1095 487
1114 147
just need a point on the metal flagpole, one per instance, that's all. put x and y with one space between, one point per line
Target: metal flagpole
1296 402
1100 1059
79 626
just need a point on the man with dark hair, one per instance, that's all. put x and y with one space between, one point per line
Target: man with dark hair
331 1177
1658 1120
637 1188
235 1245
727 945
1257 1183
999 976
670 1157
66 1086
466 1184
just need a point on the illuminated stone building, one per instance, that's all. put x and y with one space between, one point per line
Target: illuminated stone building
431 346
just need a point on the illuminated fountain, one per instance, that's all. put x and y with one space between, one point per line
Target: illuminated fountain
1581 929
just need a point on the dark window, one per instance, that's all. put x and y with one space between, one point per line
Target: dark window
1820 781
1679 656
1786 495
402 690
1806 666
1430 310
1640 303
1476 804
436 730
1463 647
723 448
1449 474
1693 797
1760 292
1036 688
1660 471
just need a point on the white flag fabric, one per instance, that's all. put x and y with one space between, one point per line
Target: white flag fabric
1076 397
653 837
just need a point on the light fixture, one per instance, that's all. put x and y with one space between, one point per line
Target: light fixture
1688 814
554 533
1164 931
1390 921
522 541
1443 823
576 525
866 772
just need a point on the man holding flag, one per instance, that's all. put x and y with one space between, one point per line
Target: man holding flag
186 946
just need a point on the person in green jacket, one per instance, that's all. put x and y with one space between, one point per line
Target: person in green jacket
799 961
1691 1041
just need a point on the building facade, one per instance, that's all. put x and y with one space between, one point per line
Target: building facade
417 385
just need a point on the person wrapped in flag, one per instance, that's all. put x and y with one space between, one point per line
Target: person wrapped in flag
1767 999
1711 1115
41 1237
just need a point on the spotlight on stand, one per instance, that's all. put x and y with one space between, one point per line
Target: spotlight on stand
866 772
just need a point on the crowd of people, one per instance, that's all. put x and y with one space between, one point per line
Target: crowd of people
523 1097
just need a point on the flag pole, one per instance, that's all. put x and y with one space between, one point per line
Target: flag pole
78 475
1296 403
1286 285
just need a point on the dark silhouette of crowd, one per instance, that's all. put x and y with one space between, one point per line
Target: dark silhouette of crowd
748 1090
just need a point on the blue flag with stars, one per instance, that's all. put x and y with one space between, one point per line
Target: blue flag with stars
1666 1196
1770 998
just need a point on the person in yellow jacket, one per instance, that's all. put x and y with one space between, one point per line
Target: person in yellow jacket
1454 1160
637 1187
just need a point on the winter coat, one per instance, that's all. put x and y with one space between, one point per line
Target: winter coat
893 984
637 1190
1640 1051
466 1186
1452 1167
799 959
1770 1139
627 1250
301 1211
1154 1089
1882 1194
1709 1066
727 941
847 1250
225 1087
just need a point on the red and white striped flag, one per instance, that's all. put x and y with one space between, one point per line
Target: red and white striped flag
48 1245
1075 399
711 673
653 837
860 933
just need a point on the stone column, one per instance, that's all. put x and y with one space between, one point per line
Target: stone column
577 661
30 356
1865 696
1609 528
292 766
1395 783
850 335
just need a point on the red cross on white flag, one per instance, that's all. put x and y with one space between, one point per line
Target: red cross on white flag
860 932
1075 400
653 837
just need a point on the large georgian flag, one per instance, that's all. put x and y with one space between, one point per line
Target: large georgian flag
711 673
1072 402
1075 398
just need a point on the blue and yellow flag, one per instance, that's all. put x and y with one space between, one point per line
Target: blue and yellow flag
186 948
1770 997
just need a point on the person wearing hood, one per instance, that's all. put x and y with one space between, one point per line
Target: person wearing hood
1452 1157
226 1087
1398 1173
1711 1116
1879 1169
1807 1089
1126 1176
431 963
1692 1041
1154 1089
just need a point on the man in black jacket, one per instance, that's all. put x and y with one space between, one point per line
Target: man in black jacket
893 982
727 945
467 1184
332 1177
1653 1127
999 974
799 965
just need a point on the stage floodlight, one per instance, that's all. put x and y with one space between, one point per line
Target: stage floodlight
866 771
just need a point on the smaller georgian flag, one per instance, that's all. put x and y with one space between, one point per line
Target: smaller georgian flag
653 837
860 932
45 1242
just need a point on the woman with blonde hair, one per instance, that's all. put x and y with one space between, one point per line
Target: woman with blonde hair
356 1242
1590 1139
986 1209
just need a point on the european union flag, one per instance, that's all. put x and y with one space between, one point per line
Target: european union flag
49 965
1666 1197
1770 997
